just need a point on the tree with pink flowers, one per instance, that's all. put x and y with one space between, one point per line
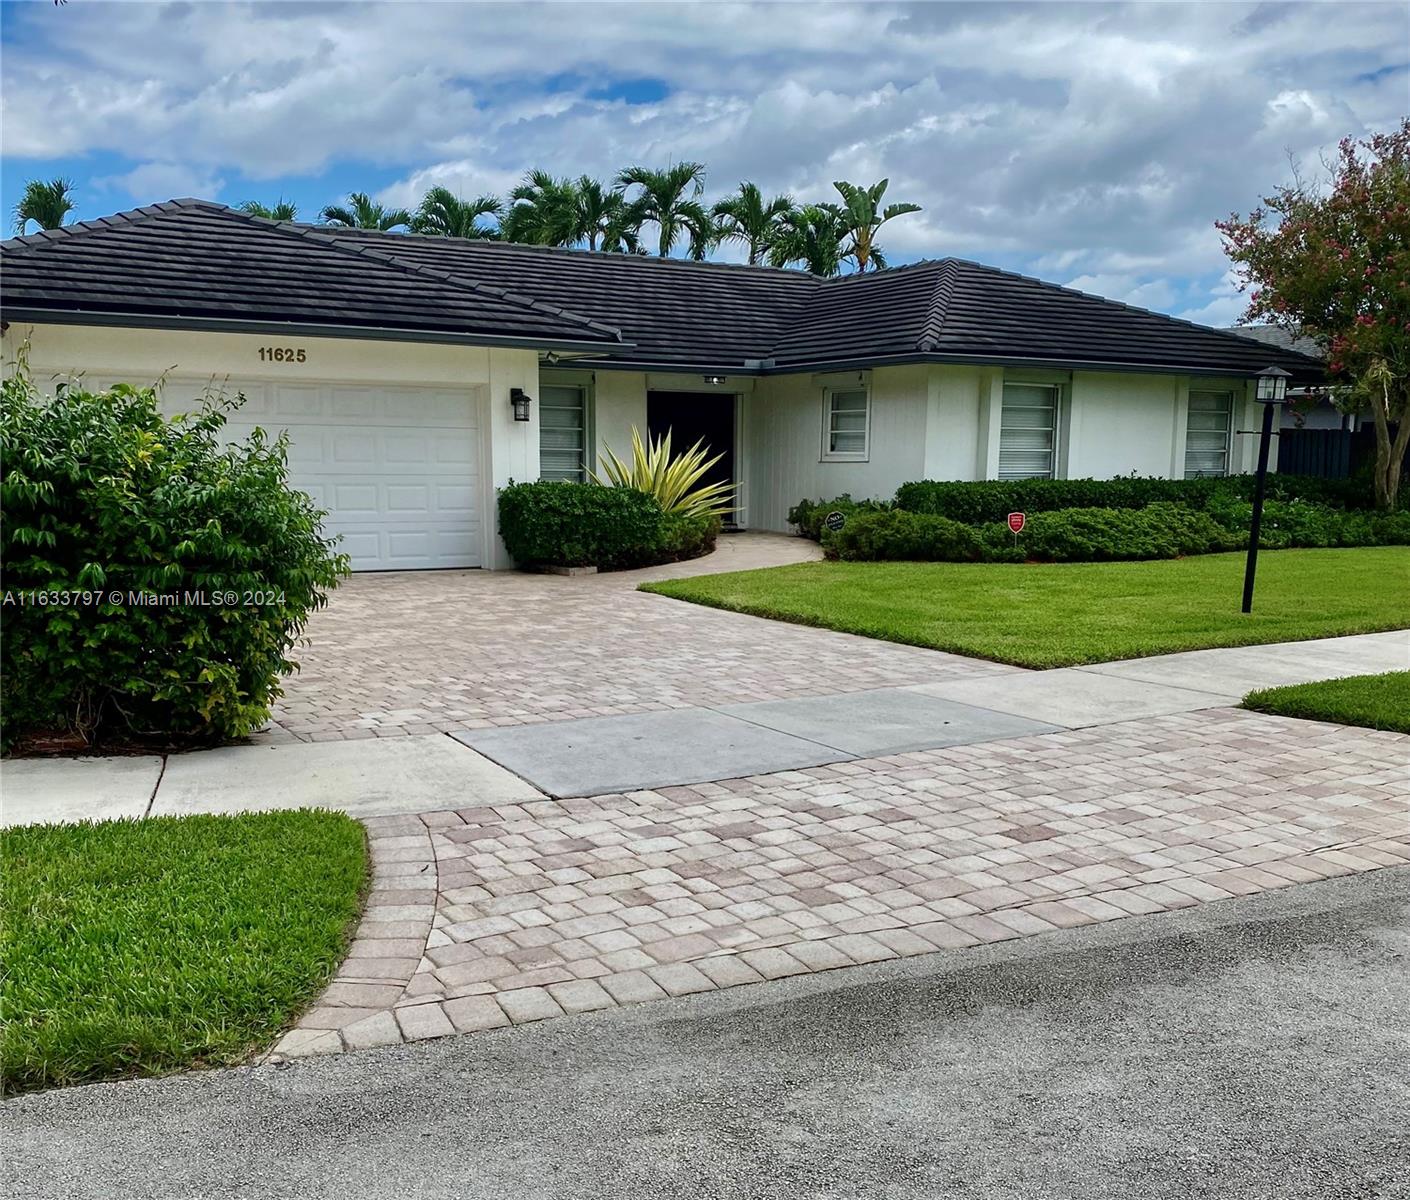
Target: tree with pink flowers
1330 260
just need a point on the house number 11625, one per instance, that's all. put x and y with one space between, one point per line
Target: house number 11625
282 354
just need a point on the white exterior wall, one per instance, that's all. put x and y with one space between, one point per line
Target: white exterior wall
106 355
1125 424
785 437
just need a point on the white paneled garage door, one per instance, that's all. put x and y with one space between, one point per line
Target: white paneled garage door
397 468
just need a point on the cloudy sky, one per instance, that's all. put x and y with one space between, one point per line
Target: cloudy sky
1091 144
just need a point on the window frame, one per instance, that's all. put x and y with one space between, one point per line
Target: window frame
1232 396
1059 390
584 385
830 455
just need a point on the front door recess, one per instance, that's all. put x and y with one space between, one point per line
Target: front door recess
691 417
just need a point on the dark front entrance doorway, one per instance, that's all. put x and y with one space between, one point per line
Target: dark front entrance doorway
691 417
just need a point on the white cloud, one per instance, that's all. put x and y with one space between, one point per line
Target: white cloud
1096 141
163 179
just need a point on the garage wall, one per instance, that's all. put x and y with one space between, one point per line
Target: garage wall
480 377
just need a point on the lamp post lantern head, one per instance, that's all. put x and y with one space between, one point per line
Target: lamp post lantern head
520 399
1273 385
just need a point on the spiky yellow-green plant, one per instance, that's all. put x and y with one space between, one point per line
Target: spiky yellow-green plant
674 481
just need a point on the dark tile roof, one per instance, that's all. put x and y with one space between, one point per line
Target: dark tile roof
959 310
1273 335
673 311
192 258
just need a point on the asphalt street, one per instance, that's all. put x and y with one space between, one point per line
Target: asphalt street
1253 1049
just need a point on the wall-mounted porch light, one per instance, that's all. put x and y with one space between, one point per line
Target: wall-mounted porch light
714 380
520 399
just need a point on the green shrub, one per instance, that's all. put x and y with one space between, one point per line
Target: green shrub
686 536
979 502
892 536
107 500
579 525
1159 530
808 515
1303 524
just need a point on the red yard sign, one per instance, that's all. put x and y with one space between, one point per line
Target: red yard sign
1017 521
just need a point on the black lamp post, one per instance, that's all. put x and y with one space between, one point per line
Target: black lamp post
1272 389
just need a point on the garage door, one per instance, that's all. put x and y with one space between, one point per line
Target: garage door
397 468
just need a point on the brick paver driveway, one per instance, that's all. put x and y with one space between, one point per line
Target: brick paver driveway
486 916
439 651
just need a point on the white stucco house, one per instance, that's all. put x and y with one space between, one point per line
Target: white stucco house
394 362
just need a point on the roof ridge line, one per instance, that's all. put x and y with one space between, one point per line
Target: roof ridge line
939 307
1135 308
313 234
130 216
581 252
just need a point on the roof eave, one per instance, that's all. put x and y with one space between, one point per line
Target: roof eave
373 333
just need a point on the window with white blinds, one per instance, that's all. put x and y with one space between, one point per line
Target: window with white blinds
563 432
1028 431
1207 434
845 430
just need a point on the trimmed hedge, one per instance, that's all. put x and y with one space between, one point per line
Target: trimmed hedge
1158 530
978 502
891 535
565 524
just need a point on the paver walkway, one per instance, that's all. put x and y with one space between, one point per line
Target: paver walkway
442 651
489 916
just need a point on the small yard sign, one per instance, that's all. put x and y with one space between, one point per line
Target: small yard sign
1017 521
834 520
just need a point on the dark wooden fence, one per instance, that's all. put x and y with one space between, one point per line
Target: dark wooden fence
1329 453
1322 452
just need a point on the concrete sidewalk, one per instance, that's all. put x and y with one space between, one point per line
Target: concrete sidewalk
1253 1049
679 746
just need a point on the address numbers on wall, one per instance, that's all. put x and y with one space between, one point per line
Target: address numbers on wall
283 354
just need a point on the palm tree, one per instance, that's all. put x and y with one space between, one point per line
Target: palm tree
46 204
603 214
862 216
543 211
285 210
362 212
444 214
747 217
668 200
813 236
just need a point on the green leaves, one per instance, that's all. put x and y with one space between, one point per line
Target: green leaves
672 480
103 498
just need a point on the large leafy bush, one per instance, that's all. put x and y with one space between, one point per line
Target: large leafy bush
109 501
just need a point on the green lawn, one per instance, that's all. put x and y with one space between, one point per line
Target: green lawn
136 947
1375 701
1061 614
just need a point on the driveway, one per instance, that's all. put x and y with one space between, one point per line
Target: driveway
446 651
1255 1049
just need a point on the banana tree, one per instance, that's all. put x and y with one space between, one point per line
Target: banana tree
862 215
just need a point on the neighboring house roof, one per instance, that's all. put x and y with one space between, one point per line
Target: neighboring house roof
189 261
1274 335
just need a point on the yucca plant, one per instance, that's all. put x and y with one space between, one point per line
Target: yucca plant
674 481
